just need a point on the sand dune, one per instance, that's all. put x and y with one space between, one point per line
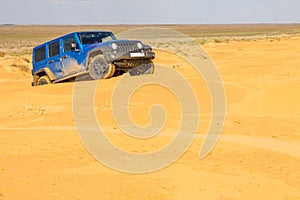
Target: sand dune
257 156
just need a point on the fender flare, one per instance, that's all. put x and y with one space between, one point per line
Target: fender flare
92 54
47 71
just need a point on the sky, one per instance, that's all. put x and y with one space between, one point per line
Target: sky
148 11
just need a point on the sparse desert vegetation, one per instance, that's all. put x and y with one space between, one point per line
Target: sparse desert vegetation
2 54
18 41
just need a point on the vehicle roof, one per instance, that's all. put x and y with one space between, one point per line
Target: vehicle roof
66 35
92 31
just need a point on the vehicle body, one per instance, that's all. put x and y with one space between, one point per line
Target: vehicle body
96 54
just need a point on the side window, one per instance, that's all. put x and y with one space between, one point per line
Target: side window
54 49
40 54
67 43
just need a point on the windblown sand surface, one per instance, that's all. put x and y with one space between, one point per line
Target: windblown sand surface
257 156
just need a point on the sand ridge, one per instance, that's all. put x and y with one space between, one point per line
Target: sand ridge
257 156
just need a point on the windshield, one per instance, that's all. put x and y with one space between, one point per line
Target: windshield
95 37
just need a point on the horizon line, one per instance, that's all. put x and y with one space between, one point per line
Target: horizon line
151 24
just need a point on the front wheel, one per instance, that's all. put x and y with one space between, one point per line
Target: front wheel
100 69
143 69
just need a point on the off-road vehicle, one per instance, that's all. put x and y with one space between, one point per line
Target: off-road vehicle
96 54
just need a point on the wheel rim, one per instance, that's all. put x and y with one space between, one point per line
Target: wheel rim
99 69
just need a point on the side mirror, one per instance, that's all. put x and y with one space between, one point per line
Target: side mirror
74 47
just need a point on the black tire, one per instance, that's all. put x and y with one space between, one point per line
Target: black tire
100 69
43 80
143 69
112 70
151 69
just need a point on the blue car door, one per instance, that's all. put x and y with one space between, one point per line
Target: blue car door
71 56
54 60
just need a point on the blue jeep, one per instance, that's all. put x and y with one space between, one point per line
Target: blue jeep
93 54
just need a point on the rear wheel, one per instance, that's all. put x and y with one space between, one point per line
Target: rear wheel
43 80
100 69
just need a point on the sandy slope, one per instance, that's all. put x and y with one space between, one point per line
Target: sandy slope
257 157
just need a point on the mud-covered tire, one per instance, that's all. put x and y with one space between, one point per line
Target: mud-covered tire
151 70
143 69
112 70
43 80
99 68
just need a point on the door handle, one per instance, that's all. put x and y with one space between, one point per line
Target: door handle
64 57
51 61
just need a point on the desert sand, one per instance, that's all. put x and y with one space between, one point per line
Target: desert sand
257 156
